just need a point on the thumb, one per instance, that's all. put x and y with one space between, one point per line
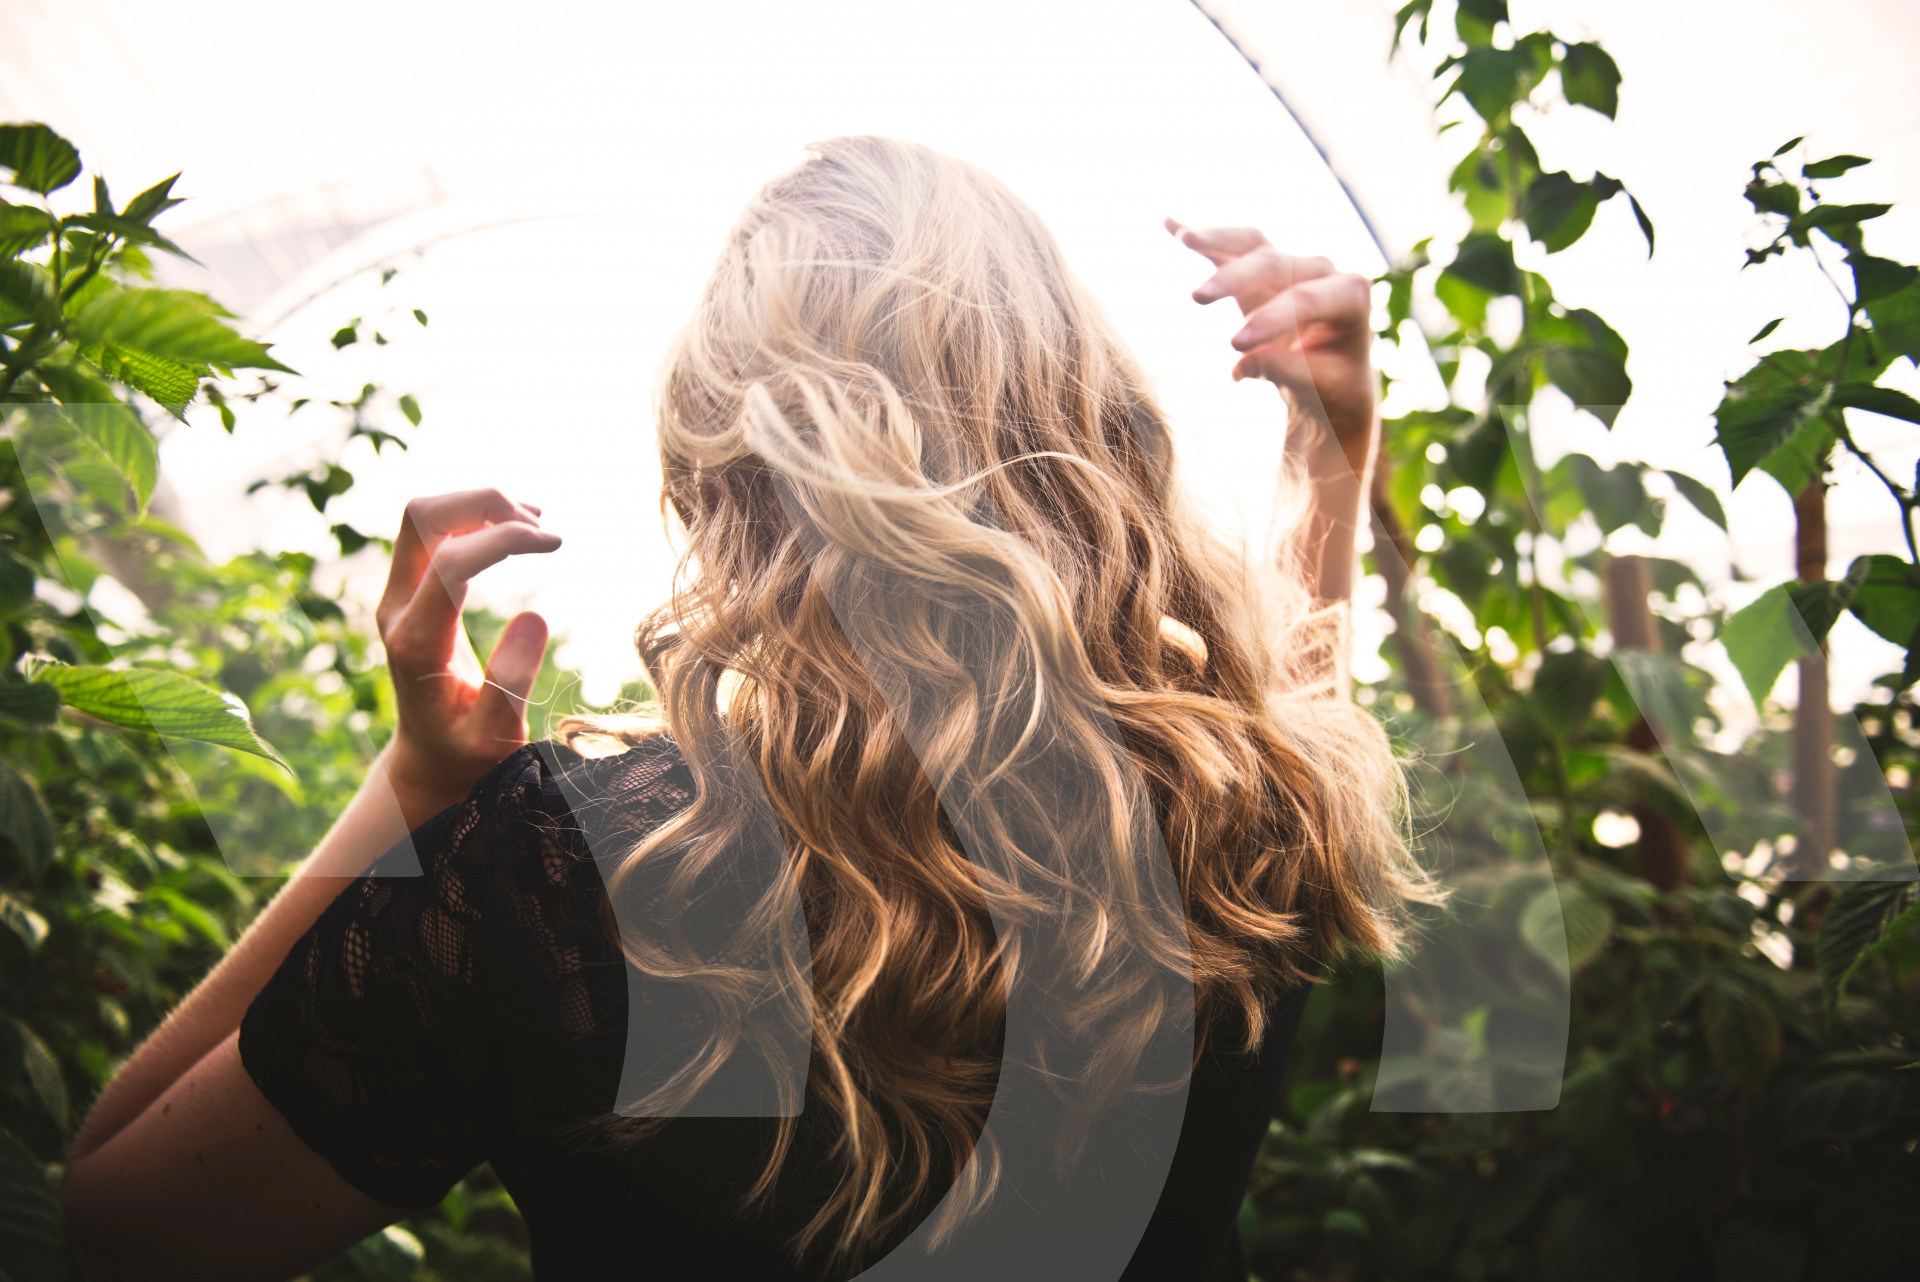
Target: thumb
511 670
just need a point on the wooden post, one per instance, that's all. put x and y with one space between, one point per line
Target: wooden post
1663 853
1813 774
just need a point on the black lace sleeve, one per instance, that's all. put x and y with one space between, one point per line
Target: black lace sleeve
376 1038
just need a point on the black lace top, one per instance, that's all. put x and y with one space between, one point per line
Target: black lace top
478 1013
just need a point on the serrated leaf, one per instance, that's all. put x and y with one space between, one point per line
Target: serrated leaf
1566 686
1888 597
24 821
27 294
1855 921
22 227
1875 278
154 200
176 324
1703 499
1821 604
1752 425
165 703
1742 1033
122 439
169 384
129 230
1763 639
41 160
1565 926
29 703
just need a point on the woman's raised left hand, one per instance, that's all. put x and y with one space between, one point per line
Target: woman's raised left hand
455 719
1308 327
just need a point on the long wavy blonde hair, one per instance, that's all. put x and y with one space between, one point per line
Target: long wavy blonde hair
897 413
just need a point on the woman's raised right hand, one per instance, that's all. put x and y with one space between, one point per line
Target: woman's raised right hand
455 719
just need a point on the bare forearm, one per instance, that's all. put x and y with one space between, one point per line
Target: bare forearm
376 818
1337 469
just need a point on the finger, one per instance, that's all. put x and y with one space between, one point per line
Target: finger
425 627
429 520
1258 275
1341 302
1221 244
511 671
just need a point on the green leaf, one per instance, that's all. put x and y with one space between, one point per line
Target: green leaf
175 324
1742 1032
31 1237
1616 495
1703 499
1888 597
153 201
1590 78
1565 688
24 821
192 916
1877 400
164 703
1773 198
1594 380
26 924
1855 921
1763 639
27 294
1753 424
1564 926
1896 320
1842 1107
1558 210
170 384
1821 604
411 408
345 336
1878 277
1833 166
1765 330
1646 223
1788 146
22 227
117 432
1485 261
29 703
420 316
16 584
129 230
1658 685
41 160
1839 223
1802 458
42 1071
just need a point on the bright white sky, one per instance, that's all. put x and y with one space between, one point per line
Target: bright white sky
608 146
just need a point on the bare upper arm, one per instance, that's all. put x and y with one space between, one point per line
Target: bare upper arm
210 1183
